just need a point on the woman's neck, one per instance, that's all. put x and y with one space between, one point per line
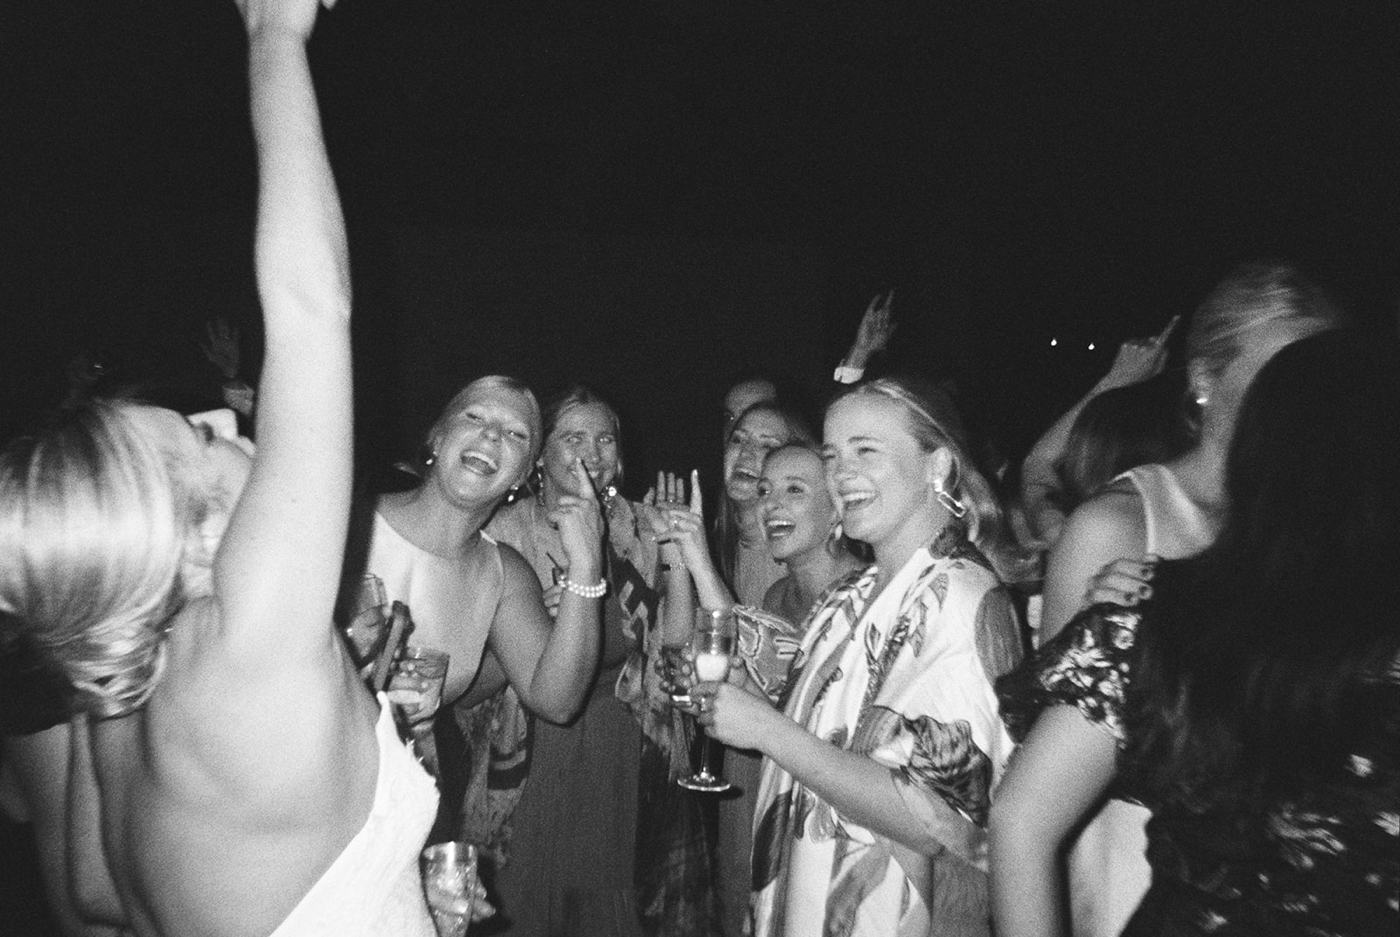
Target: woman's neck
431 523
921 530
1201 474
817 569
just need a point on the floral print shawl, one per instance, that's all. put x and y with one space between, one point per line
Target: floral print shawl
905 679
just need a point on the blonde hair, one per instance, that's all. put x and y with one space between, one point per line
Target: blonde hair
1258 294
934 423
495 382
95 524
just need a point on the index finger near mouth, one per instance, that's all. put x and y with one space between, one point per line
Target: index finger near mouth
697 505
587 491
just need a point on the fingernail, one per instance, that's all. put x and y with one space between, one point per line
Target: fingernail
1145 591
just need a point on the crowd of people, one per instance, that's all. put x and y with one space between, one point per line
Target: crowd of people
1148 684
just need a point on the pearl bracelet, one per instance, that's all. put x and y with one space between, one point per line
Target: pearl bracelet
596 591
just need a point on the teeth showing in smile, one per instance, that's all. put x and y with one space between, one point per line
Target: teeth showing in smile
480 462
855 499
778 528
744 474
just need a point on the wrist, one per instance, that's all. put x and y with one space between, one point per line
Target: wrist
591 588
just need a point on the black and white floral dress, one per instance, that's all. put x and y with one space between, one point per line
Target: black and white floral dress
1317 859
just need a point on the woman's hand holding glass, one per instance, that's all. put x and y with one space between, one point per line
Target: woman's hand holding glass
734 715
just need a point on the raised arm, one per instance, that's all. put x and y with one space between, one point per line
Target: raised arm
278 565
1137 360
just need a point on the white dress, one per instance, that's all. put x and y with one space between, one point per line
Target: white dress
374 888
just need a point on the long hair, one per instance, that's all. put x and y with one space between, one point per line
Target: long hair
934 423
575 395
726 543
493 382
1258 653
95 525
1121 428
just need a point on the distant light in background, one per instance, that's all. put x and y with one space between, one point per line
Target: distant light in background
1091 346
1054 342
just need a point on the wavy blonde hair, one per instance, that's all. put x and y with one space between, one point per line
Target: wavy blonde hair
96 521
934 423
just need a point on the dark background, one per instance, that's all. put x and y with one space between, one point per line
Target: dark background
654 196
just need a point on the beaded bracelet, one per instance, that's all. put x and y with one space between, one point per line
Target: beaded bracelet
588 592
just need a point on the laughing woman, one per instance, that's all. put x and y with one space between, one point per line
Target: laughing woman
230 775
877 776
574 834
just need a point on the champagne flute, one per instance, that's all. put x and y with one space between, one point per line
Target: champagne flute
712 645
449 877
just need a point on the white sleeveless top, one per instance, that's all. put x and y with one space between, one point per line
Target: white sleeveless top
439 591
1176 527
374 888
1108 870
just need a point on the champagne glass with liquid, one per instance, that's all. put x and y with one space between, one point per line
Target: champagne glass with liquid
711 646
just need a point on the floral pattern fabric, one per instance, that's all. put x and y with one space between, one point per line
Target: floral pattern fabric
1321 859
897 678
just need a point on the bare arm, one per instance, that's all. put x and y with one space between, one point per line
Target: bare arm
1137 360
37 764
550 664
859 787
91 889
1105 528
1054 780
278 565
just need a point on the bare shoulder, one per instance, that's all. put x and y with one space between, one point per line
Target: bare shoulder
1116 513
1109 526
518 572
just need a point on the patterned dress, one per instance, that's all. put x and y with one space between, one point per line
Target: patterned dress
1316 859
905 679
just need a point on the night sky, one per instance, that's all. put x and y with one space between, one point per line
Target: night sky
654 195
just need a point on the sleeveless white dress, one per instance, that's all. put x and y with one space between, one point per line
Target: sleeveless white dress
374 888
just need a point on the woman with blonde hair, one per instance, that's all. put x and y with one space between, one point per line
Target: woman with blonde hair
877 773
230 774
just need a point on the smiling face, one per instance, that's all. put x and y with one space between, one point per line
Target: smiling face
484 449
880 478
586 431
794 506
757 433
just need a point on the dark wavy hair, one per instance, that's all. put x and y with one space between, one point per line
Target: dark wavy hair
1259 655
1120 428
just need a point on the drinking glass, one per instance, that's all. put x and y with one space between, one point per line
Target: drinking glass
367 619
449 878
415 687
711 646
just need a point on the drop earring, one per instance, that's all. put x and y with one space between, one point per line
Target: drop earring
432 457
954 506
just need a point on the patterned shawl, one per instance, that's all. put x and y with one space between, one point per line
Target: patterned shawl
904 678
